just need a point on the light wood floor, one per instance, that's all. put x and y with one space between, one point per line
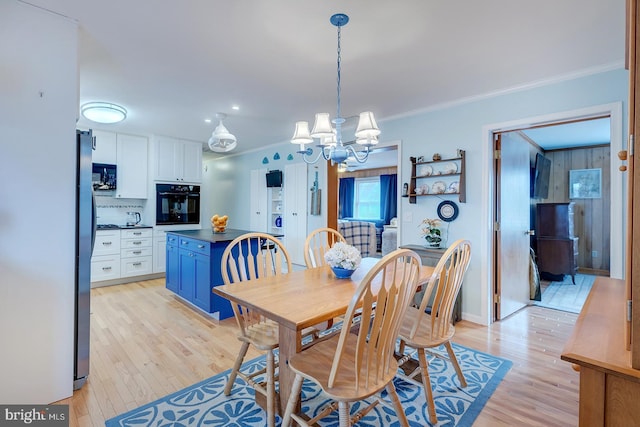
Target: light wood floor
146 343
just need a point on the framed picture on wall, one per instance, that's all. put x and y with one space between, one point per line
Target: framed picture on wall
585 183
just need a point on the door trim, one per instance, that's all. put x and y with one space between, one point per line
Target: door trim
617 211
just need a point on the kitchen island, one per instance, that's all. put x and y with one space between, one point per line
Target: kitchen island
193 267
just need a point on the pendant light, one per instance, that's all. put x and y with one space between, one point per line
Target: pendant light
222 141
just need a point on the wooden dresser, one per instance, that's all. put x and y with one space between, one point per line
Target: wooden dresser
556 245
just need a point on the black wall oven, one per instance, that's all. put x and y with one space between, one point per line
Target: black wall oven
177 204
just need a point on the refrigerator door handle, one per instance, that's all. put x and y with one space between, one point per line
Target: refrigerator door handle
94 219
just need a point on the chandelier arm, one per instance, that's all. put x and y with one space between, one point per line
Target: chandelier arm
307 157
360 158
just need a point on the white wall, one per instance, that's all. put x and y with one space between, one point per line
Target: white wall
39 99
443 130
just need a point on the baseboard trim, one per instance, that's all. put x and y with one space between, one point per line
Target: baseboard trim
594 272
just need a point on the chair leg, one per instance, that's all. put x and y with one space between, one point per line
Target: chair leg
271 390
456 365
426 383
401 347
236 367
343 414
293 400
391 389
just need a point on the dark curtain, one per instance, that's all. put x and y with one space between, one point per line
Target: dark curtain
345 197
388 197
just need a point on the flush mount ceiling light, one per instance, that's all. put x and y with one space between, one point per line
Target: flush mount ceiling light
331 145
103 112
221 140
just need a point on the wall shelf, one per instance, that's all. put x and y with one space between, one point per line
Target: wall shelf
436 169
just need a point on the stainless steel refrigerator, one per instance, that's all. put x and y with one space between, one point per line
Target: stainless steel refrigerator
85 237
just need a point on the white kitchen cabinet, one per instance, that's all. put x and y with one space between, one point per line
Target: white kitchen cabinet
295 210
105 147
258 218
159 251
136 252
132 152
176 160
105 262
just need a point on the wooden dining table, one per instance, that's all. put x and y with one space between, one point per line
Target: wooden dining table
298 300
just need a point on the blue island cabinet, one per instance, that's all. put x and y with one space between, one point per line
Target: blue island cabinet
193 269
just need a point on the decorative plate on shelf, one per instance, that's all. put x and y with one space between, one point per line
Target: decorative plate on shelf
447 211
454 187
450 168
438 187
427 170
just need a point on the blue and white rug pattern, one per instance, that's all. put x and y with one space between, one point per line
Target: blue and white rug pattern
204 403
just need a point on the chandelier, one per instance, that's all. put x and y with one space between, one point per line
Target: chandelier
330 139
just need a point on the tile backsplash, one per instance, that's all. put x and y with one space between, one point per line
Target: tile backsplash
110 210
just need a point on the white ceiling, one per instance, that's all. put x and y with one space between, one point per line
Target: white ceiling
174 63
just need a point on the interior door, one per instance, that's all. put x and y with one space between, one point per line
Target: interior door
512 224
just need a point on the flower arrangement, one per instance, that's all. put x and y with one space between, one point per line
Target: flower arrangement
342 255
431 231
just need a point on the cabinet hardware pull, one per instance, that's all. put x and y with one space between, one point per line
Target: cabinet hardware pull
137 233
106 268
191 254
137 243
106 243
137 264
201 246
137 252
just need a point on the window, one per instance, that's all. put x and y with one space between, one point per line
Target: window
367 198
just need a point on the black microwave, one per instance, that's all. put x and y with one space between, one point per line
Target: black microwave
104 177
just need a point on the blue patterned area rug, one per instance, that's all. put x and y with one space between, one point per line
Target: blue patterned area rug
204 403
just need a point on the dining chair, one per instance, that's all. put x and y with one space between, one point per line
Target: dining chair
318 242
431 323
359 363
249 257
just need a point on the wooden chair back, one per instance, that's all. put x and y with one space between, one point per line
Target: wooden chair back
396 276
249 257
318 243
442 290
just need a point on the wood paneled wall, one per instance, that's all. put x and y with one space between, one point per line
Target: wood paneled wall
367 173
592 217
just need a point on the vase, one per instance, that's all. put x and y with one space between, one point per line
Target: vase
342 273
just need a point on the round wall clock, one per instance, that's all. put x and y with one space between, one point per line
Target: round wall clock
447 211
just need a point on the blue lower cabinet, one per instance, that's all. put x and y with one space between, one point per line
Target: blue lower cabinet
173 268
193 269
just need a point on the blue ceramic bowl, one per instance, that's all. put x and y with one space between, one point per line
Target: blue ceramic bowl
342 273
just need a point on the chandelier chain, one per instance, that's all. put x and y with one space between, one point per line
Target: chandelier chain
338 78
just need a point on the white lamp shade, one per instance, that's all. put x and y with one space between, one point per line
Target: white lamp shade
322 127
367 126
103 112
328 141
373 140
301 134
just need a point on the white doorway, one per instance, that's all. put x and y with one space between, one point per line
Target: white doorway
614 111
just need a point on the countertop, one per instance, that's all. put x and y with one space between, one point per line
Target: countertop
207 234
122 227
